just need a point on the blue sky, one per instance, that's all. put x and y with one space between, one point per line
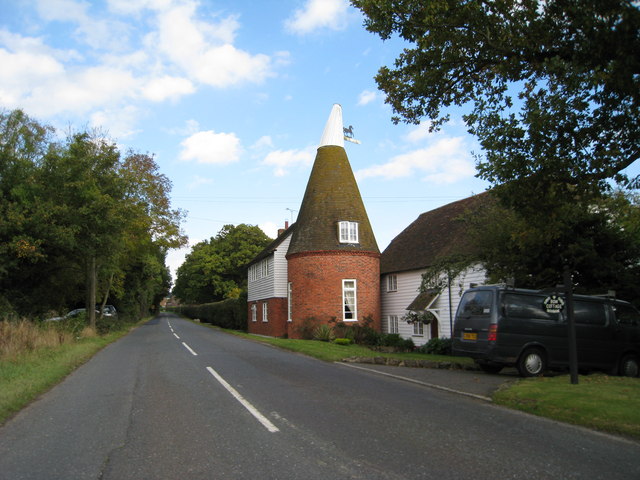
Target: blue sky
231 96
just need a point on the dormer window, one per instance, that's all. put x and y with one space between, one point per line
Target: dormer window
348 232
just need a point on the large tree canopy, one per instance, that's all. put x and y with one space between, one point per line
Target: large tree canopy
551 89
79 224
216 268
553 86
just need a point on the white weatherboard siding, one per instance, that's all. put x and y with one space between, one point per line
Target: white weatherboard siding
280 269
395 303
274 284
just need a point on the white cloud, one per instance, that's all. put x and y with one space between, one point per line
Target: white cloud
318 14
211 147
190 127
445 161
119 122
129 7
263 142
269 228
99 34
84 90
366 97
285 160
419 133
198 181
167 87
205 50
181 53
40 80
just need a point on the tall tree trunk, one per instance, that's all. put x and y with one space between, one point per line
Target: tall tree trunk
106 296
91 282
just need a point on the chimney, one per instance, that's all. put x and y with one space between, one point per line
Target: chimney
281 230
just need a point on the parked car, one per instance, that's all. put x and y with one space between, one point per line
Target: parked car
71 314
109 311
499 326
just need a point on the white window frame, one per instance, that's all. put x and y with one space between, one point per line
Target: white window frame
418 329
348 232
347 290
289 290
392 283
265 312
393 324
254 312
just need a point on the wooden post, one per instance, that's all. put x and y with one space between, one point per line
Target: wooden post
571 325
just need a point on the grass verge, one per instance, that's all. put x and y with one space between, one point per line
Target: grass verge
26 376
332 352
598 401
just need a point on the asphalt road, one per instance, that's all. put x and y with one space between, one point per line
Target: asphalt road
176 400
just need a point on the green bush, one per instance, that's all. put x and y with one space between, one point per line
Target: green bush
437 346
359 334
396 341
324 333
343 341
308 327
391 340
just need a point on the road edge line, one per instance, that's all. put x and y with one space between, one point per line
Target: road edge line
418 382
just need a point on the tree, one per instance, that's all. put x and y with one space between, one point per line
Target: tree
550 89
602 245
24 220
79 223
570 66
216 268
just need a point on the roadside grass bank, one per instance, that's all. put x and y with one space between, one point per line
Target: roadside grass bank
333 352
35 358
600 402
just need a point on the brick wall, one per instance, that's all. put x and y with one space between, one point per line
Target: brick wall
316 281
276 324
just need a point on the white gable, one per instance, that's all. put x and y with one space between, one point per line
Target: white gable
274 283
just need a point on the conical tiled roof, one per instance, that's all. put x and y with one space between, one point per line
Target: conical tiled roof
332 196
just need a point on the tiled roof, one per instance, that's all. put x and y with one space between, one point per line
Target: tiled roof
424 300
433 235
273 246
332 195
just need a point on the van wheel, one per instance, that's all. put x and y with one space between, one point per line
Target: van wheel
629 366
488 368
532 363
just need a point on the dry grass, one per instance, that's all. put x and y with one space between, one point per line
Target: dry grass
88 332
34 357
18 338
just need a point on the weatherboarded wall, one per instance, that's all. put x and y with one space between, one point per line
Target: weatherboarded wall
395 302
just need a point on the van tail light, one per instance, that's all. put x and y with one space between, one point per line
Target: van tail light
493 332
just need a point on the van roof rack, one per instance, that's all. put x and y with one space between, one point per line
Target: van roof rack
502 284
609 294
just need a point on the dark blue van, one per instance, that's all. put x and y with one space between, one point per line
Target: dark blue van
499 326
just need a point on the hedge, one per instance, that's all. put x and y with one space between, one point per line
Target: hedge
230 313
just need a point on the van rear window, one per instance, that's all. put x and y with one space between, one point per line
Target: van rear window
627 315
527 306
476 303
